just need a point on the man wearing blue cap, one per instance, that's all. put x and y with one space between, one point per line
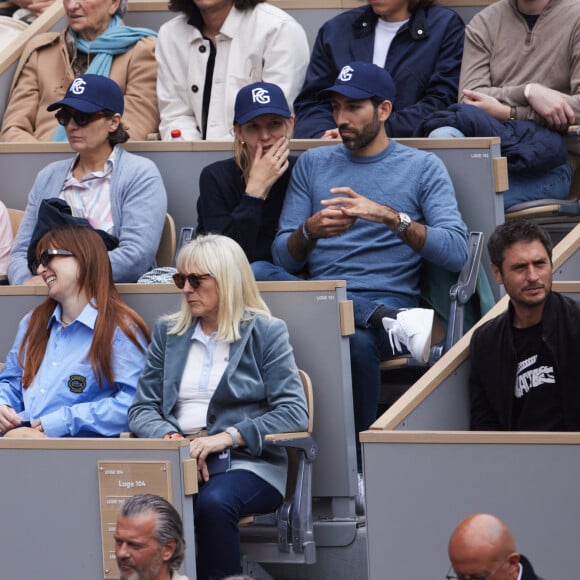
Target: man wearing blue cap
384 208
419 43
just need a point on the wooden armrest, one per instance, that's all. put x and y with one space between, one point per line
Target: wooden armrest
282 436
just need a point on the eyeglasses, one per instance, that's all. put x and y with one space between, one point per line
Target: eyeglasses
63 116
49 254
193 279
452 576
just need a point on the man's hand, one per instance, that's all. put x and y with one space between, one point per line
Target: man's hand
330 134
9 419
552 105
329 222
354 205
487 103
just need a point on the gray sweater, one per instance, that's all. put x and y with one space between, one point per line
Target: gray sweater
138 205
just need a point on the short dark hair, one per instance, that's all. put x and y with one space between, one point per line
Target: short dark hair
518 230
188 6
168 526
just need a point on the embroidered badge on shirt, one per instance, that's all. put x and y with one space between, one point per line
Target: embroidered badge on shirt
77 383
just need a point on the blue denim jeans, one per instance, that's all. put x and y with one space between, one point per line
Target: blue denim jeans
554 184
221 502
368 347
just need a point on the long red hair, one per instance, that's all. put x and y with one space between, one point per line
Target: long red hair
96 280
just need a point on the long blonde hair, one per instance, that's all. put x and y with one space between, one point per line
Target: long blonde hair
225 260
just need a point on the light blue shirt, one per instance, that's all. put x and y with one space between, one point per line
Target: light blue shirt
65 394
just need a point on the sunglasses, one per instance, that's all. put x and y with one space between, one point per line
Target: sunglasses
193 279
48 255
63 116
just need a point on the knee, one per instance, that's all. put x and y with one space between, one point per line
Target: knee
213 505
363 346
446 133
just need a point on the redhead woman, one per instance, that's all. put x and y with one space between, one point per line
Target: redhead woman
222 367
242 197
119 193
74 365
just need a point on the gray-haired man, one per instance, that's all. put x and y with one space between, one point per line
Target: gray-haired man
149 542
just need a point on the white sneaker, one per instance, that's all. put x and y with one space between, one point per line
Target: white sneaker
412 329
359 502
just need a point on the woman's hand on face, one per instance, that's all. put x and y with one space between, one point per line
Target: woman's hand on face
9 419
267 167
201 447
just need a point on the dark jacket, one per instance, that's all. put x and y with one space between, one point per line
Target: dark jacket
223 208
424 60
530 148
527 569
494 365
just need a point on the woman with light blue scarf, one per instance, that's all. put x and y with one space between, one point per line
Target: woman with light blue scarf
95 41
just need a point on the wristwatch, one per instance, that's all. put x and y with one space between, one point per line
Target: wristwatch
235 435
404 223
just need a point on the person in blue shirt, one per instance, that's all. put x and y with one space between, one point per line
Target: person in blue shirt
74 365
370 211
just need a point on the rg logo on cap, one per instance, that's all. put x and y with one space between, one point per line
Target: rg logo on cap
260 96
346 73
78 86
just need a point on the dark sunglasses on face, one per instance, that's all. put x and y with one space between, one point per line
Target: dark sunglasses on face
63 116
193 279
49 254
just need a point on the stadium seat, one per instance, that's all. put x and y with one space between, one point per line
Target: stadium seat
460 293
287 535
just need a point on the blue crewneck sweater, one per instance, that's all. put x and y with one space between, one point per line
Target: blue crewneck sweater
373 260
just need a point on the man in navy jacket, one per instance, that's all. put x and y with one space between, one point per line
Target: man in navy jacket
419 43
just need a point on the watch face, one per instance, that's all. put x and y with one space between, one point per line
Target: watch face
405 222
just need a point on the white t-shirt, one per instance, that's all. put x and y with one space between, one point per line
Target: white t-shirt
384 34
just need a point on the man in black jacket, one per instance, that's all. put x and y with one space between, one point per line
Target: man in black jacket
524 363
482 547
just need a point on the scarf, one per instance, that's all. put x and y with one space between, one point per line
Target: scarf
117 39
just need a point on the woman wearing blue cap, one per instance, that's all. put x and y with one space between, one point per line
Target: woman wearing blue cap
119 194
242 197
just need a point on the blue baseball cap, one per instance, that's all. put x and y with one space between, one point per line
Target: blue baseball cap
363 80
92 93
260 99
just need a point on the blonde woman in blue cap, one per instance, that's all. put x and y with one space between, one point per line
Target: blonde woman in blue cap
242 197
119 194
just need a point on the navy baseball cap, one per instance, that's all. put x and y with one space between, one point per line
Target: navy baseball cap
363 80
260 99
92 93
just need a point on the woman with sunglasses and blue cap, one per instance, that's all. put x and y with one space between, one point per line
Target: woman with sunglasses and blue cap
222 366
76 359
242 197
119 193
